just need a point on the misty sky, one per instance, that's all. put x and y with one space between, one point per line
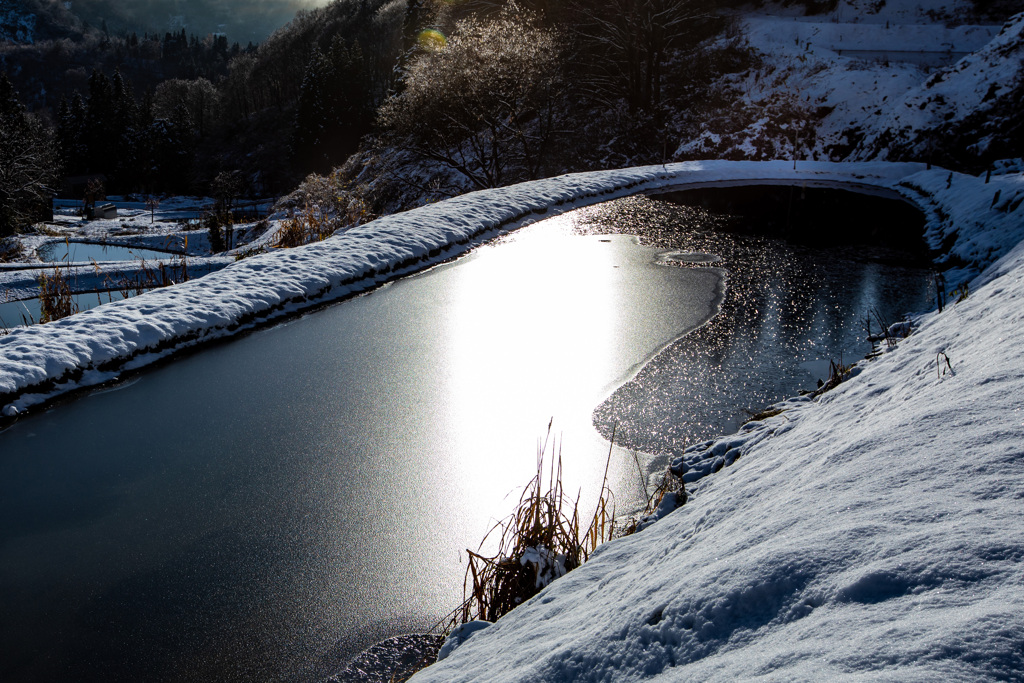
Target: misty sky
242 20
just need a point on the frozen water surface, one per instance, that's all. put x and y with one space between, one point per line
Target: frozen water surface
83 252
269 506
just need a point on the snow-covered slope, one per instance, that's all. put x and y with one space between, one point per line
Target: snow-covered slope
979 90
898 82
872 533
42 361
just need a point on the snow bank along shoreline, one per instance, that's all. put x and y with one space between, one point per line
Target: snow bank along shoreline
967 221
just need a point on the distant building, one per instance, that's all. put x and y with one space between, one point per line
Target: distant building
103 211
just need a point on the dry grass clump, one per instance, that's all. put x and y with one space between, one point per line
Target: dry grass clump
44 229
313 224
960 293
148 277
321 206
671 486
7 296
540 541
837 372
55 296
765 414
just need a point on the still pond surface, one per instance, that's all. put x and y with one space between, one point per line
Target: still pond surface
84 252
264 508
29 311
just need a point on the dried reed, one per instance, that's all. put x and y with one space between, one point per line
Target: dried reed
539 542
55 297
671 482
314 224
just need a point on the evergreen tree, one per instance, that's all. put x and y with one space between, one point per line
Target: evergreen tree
123 133
98 116
334 109
71 135
313 113
415 18
169 152
350 99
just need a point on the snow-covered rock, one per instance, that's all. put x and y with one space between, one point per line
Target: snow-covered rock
460 635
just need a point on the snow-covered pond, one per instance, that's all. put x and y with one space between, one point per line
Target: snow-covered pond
83 252
266 507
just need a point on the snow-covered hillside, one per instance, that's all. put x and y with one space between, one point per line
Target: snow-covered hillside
898 80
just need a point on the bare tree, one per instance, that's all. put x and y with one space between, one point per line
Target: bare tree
484 103
28 163
630 41
226 188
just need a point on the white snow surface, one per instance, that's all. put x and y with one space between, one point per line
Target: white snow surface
872 533
42 361
871 76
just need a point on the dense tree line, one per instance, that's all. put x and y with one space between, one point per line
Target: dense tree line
169 113
431 93
46 71
485 88
133 145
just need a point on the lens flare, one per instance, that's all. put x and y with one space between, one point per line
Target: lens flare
432 39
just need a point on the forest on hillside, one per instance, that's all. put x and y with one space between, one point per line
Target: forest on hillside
428 97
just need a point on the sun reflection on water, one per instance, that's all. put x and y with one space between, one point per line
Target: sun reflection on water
531 345
543 326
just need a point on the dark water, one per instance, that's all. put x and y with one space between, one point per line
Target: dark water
28 311
266 508
791 306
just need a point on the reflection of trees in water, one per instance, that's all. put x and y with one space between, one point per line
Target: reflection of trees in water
785 304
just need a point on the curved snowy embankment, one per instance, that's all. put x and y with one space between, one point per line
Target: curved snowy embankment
40 362
875 532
